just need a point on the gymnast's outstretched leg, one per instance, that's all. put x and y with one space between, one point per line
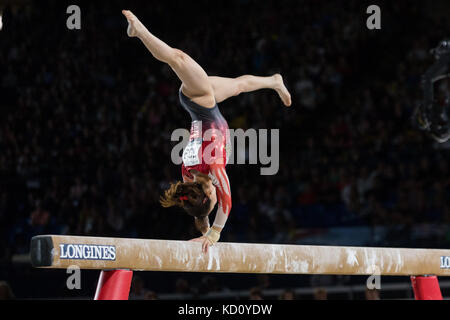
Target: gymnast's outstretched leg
196 84
200 88
228 87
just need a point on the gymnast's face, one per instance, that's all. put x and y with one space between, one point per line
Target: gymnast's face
210 197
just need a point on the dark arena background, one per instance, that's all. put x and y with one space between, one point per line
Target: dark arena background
87 116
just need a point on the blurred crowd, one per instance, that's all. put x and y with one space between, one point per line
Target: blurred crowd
211 288
87 116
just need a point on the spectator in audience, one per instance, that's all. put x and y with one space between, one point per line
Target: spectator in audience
320 294
263 281
138 290
5 291
150 295
288 294
182 286
256 294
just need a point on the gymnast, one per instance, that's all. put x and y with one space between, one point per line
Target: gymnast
205 181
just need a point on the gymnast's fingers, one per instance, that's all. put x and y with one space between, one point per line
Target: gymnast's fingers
205 246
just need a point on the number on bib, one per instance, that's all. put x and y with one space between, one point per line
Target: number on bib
191 153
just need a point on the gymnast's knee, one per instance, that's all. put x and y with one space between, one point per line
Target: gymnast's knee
177 58
240 85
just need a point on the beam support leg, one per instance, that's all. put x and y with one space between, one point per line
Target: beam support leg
114 285
426 288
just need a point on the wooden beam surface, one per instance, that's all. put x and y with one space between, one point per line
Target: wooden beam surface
51 251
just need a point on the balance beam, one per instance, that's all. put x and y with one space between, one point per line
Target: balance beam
61 252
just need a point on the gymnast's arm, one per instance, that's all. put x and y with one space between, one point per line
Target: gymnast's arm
220 180
223 191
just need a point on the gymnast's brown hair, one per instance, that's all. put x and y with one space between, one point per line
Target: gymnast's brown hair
189 196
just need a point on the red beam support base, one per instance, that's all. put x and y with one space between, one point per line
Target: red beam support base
426 288
114 285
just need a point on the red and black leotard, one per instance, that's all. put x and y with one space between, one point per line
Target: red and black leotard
208 151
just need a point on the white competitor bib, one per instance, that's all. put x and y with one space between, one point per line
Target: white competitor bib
191 153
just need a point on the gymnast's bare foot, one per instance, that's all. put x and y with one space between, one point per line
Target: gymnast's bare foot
135 27
282 91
